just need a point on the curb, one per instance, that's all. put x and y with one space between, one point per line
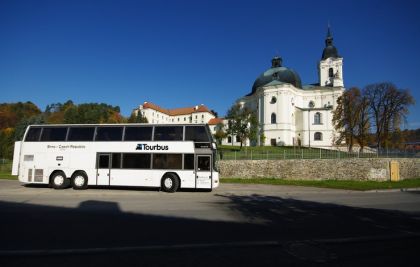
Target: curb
412 189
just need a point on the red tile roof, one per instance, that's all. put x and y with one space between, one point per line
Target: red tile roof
177 111
215 121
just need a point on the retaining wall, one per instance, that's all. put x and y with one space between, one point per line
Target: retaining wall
320 169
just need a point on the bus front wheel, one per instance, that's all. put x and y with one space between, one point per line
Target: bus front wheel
79 181
59 180
170 183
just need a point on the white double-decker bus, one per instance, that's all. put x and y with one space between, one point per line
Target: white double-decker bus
164 156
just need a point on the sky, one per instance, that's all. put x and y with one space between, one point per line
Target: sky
183 53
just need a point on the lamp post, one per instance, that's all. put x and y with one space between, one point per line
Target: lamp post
309 127
311 105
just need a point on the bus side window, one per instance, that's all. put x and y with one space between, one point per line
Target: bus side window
196 134
142 133
168 133
203 163
33 135
109 134
116 161
136 161
167 161
188 161
54 134
81 134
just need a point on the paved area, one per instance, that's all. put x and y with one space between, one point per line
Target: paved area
234 224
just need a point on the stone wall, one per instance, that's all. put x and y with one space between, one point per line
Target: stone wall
319 169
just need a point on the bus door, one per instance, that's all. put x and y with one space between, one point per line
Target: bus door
203 171
103 172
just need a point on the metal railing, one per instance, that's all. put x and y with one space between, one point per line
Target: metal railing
312 153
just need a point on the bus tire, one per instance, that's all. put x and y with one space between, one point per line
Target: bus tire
170 183
79 181
59 180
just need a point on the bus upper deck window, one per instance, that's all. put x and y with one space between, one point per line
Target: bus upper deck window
81 133
140 133
111 133
168 133
54 134
196 134
33 134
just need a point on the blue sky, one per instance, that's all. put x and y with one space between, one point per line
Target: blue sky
183 53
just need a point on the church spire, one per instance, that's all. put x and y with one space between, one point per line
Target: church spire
329 50
329 39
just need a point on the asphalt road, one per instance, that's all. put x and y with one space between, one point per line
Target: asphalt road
249 225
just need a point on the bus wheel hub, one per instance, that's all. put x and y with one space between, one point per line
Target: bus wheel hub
168 182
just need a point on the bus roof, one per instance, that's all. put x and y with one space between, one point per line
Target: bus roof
118 124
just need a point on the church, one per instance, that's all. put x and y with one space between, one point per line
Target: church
290 113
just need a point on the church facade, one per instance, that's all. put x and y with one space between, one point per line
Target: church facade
290 113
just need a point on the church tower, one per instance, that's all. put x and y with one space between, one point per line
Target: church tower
330 67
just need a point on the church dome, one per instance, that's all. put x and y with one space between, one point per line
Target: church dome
330 51
277 74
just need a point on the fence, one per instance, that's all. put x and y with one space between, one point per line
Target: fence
312 153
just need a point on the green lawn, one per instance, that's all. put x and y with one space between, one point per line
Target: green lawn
8 176
6 170
338 184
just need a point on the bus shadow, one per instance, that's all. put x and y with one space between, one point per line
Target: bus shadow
36 185
122 188
102 224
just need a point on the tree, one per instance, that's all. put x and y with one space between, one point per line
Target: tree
388 107
220 133
24 123
346 117
240 122
12 113
137 118
262 139
363 123
6 143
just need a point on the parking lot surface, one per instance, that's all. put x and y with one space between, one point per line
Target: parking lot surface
233 224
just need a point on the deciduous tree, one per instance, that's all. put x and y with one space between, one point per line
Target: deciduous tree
242 122
388 107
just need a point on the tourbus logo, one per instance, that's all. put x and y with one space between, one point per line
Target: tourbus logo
147 147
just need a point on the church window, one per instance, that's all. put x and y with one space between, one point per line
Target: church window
238 139
331 73
317 118
229 139
273 118
318 136
273 100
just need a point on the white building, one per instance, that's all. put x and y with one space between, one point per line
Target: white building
292 114
197 114
158 115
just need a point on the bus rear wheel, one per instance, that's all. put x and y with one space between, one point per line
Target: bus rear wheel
59 180
79 181
170 183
